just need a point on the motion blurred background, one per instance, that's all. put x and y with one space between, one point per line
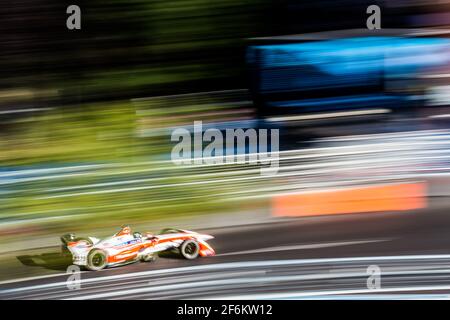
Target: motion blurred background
86 115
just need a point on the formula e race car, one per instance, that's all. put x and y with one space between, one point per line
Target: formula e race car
125 247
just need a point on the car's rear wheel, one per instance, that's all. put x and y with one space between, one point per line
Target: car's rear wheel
189 249
97 260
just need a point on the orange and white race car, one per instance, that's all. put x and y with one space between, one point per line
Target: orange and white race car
126 247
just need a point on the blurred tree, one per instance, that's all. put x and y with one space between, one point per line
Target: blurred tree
130 48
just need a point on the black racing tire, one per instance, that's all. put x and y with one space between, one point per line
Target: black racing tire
190 249
97 259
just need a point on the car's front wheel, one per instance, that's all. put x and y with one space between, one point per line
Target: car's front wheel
97 260
189 249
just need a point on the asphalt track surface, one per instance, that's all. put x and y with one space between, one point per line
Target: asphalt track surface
320 258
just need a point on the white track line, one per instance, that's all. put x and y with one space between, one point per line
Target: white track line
257 280
300 295
329 115
231 265
301 247
36 278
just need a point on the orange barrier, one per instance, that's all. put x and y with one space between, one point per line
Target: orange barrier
393 197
